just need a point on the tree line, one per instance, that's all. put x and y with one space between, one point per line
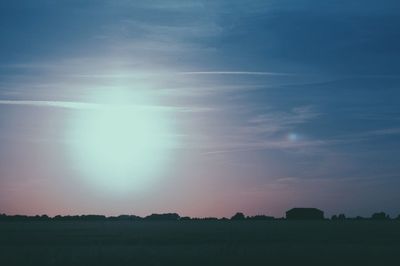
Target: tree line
176 217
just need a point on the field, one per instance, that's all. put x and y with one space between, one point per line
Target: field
200 243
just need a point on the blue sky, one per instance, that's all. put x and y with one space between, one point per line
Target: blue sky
269 104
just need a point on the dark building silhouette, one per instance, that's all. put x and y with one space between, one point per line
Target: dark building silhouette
304 214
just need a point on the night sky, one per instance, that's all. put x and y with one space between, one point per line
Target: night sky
204 108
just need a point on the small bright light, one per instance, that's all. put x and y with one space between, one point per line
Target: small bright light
122 146
293 136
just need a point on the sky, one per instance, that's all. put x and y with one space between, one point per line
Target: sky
204 108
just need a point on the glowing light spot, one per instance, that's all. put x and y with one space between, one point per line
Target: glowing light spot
293 136
121 146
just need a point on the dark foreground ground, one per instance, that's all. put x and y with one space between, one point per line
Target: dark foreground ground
200 243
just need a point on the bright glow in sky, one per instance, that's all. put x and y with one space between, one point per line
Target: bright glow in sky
120 146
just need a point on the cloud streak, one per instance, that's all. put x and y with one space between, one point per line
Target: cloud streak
57 104
270 131
275 122
268 145
249 73
88 105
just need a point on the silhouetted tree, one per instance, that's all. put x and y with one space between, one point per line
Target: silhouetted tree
238 216
380 216
338 217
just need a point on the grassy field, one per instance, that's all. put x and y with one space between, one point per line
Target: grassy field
200 243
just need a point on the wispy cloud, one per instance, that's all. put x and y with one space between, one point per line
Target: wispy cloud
88 105
281 144
251 73
368 135
57 104
270 131
383 132
274 122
